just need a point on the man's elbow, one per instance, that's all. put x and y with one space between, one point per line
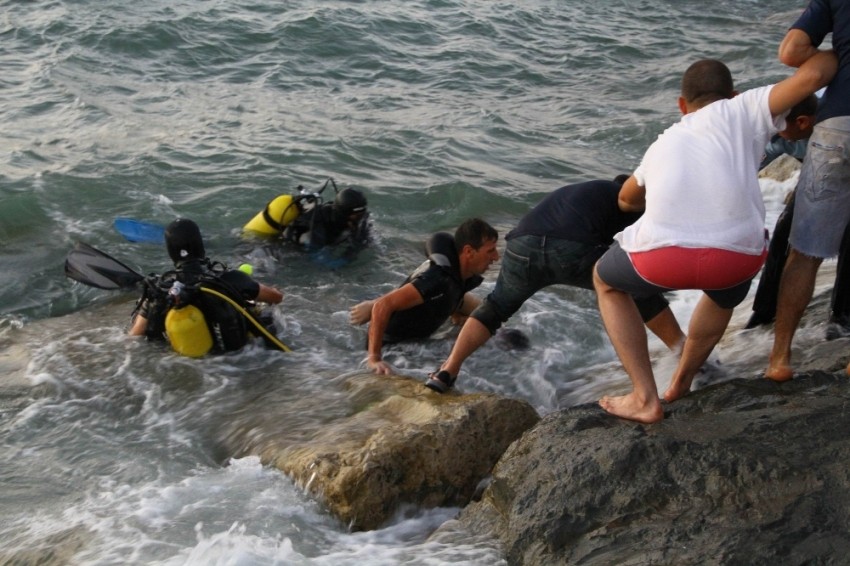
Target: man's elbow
791 58
796 48
821 70
629 206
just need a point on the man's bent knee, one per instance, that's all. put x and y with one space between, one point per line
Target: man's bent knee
487 315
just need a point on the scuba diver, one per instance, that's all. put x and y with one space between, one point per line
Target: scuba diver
201 306
331 224
332 232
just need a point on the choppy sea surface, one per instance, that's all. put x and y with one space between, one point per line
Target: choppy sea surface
438 110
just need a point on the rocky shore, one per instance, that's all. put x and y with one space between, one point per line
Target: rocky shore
741 471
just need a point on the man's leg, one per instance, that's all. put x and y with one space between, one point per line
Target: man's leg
708 323
666 327
625 329
514 285
764 302
839 319
472 336
795 292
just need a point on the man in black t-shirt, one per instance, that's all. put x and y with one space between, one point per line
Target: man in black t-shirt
437 290
557 242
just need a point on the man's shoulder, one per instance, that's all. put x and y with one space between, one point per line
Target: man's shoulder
430 277
241 282
725 114
235 276
822 16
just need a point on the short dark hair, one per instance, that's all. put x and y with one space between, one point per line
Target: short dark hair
705 81
474 232
806 107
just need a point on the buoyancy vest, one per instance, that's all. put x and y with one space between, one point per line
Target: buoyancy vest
441 250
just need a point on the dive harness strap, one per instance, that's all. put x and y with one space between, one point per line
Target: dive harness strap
271 337
271 221
316 197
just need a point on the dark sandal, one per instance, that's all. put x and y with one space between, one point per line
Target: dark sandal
440 381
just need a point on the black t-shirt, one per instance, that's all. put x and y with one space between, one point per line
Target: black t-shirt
585 212
242 283
442 290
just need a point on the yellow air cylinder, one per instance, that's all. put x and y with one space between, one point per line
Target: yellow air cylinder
188 332
274 217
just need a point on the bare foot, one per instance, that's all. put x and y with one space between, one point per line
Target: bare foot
674 393
360 313
632 408
678 388
779 370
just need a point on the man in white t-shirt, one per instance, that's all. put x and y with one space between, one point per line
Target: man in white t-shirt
703 225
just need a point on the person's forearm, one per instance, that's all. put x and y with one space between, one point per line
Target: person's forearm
139 326
377 326
269 295
796 48
819 69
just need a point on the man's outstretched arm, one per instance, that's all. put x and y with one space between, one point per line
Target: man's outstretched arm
403 298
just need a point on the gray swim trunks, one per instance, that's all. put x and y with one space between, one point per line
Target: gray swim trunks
822 207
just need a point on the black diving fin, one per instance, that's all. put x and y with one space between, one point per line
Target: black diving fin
94 268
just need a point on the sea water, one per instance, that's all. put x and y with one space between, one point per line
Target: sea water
439 110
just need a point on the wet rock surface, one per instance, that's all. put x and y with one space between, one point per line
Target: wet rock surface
400 444
743 472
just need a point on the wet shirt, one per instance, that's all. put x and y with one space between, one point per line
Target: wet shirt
442 290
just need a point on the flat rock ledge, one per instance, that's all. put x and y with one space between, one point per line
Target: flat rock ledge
400 444
743 472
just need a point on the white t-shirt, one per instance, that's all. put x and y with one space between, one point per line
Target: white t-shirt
701 179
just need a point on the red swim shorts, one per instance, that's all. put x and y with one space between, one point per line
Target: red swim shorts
696 268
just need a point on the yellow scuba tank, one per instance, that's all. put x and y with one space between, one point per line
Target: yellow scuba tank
274 217
188 332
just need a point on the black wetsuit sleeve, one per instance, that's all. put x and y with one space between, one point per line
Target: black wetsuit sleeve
242 283
441 295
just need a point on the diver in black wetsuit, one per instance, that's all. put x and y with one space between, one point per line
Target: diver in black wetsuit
177 289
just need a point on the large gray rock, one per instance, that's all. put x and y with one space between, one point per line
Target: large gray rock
400 444
744 471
